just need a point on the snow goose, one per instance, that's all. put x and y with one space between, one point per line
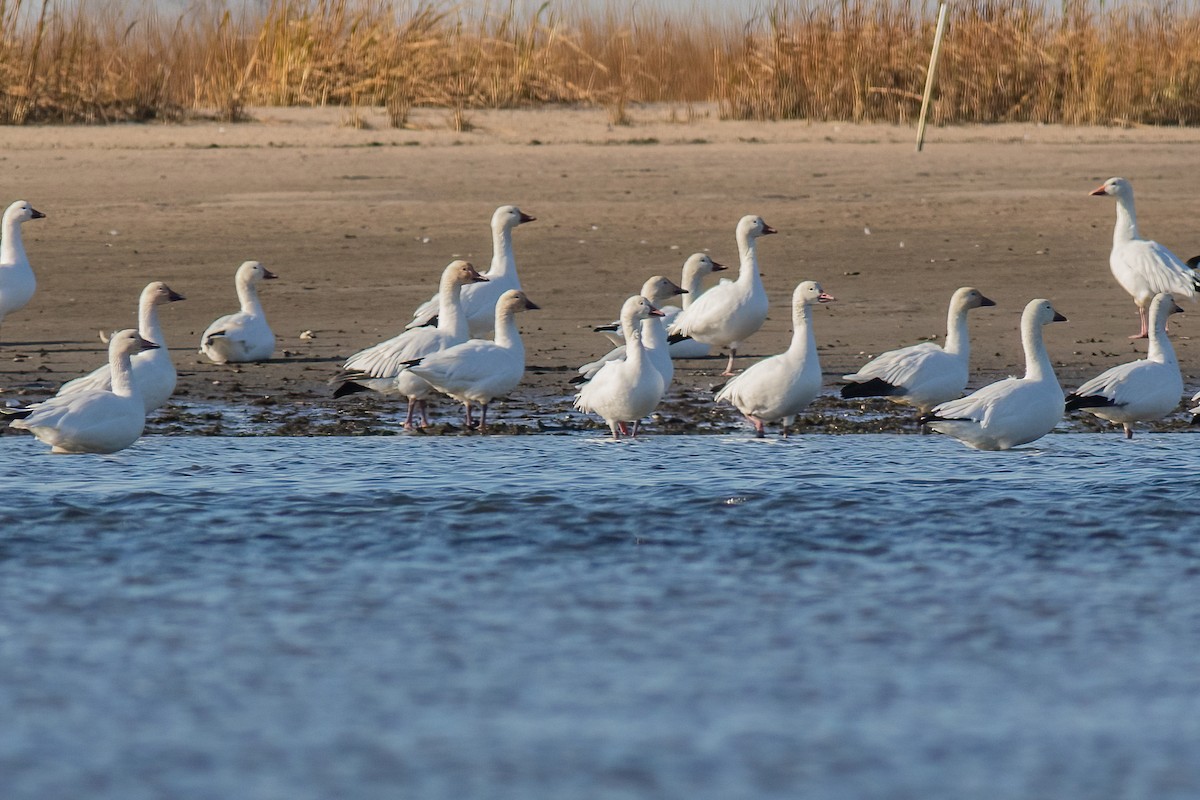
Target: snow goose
924 374
1013 411
17 282
479 302
1142 267
478 370
654 334
780 387
93 420
244 336
380 368
695 269
152 370
629 389
1142 390
728 313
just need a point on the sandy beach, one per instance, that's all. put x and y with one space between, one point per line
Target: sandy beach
359 219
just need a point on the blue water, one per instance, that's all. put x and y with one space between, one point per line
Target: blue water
561 617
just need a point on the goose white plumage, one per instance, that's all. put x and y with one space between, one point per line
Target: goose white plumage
923 375
628 389
728 313
780 387
1143 267
381 367
244 336
152 370
1142 390
1013 411
654 334
479 302
478 370
93 420
17 281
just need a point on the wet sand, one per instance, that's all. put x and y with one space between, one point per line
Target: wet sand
359 219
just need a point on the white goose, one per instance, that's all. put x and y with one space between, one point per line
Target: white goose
93 420
1013 411
153 372
780 387
631 388
17 283
728 313
479 302
1142 390
654 334
479 370
244 336
924 374
380 368
1142 267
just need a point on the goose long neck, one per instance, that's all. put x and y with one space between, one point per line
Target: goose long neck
803 343
635 348
11 247
248 297
149 327
508 335
748 254
451 319
122 374
693 282
957 342
1037 360
1126 227
1161 349
654 335
502 252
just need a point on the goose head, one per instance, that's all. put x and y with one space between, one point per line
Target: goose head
509 217
810 293
514 301
21 211
158 293
1162 307
752 226
252 272
1042 312
128 342
460 273
700 264
660 288
1114 187
638 308
968 297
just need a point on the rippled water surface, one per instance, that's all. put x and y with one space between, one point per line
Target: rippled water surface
560 617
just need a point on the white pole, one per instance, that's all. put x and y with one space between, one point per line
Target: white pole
933 59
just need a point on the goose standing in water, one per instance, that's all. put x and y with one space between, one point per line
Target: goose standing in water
628 389
479 370
1143 267
729 313
780 387
244 336
93 420
1013 411
923 375
380 368
1142 390
17 282
479 302
152 370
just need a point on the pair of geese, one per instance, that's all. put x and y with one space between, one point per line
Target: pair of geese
105 411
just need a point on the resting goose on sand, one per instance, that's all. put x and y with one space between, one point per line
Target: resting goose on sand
1143 267
152 370
479 370
479 302
380 368
244 336
922 375
654 334
628 389
728 313
1013 411
1142 390
780 387
93 420
17 283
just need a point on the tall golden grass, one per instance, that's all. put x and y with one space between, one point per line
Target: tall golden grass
1083 62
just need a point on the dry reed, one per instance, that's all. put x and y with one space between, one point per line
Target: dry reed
1004 60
